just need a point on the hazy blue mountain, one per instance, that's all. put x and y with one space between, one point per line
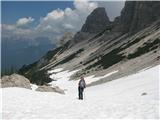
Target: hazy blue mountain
16 53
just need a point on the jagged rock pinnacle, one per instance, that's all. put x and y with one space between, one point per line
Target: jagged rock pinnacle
96 21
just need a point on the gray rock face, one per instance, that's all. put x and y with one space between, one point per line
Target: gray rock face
96 21
81 36
15 80
137 15
45 88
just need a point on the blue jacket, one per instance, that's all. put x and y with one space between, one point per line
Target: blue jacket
82 83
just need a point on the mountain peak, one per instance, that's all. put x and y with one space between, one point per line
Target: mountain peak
96 21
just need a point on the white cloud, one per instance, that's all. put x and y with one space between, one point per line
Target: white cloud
24 21
54 15
84 5
8 27
67 20
68 26
14 31
55 23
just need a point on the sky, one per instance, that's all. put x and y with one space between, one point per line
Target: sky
49 18
13 10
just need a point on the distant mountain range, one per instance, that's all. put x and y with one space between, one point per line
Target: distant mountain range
16 53
128 44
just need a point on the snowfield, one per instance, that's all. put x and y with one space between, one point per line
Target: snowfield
121 98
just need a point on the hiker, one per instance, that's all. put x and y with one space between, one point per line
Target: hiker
81 86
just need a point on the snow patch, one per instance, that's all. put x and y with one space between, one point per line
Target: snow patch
55 70
92 78
62 80
63 75
34 87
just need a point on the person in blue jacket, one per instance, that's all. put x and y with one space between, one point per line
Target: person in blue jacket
81 87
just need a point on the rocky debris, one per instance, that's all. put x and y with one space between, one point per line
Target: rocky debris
137 15
45 88
15 80
96 22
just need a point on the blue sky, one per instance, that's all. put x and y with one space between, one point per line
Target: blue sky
51 19
13 10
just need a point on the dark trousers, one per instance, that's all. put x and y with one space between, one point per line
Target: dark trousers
80 92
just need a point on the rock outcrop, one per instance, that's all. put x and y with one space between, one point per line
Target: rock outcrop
137 15
96 22
15 80
45 88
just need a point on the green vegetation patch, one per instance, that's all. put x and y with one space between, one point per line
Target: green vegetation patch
26 68
51 53
109 59
60 49
35 75
112 57
133 42
70 57
146 48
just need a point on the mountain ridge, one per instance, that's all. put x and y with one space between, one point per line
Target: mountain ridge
123 45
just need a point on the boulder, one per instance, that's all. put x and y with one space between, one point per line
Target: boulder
15 80
45 88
